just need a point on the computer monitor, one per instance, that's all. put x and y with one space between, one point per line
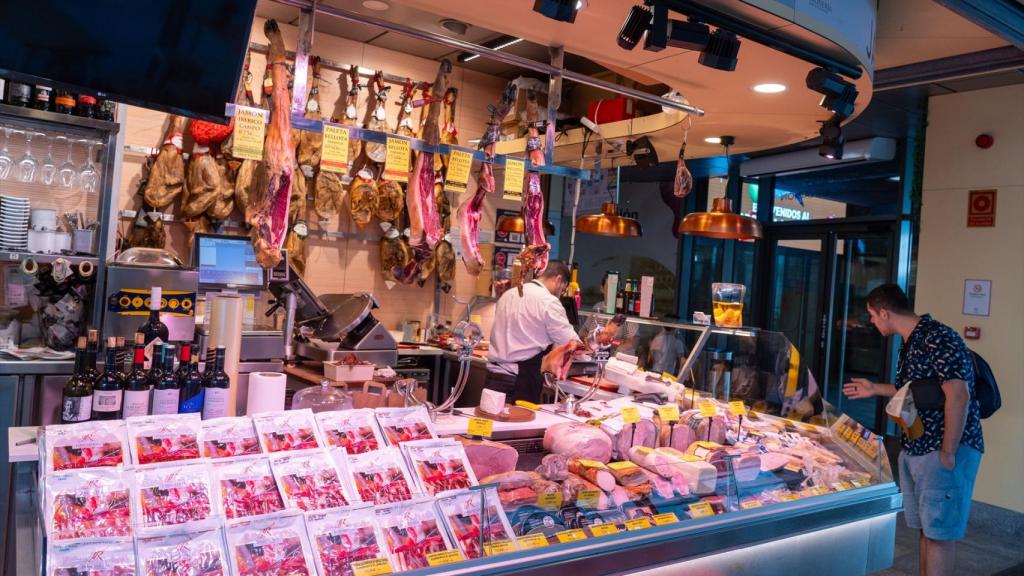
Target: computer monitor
227 262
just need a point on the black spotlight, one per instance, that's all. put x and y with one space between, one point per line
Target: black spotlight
637 22
643 152
839 95
832 139
561 10
721 51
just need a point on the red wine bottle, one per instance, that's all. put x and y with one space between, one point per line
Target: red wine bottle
136 393
108 393
216 384
190 382
165 389
76 405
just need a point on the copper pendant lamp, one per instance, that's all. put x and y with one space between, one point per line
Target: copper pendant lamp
721 222
515 223
609 223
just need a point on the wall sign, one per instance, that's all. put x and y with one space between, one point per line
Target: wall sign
981 209
977 297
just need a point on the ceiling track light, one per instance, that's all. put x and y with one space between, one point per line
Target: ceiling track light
832 139
838 95
637 22
561 10
721 51
499 44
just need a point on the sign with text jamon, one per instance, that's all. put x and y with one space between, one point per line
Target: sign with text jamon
981 209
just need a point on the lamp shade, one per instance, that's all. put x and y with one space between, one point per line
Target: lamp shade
515 223
721 222
609 223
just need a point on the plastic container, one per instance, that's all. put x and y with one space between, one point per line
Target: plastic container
322 398
727 300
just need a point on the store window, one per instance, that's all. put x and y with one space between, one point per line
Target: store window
852 191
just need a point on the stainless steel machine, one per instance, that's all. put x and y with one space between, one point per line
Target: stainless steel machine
130 279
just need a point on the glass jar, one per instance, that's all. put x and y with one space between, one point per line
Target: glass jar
322 398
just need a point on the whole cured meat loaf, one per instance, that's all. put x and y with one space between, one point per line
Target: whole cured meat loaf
644 434
580 440
488 458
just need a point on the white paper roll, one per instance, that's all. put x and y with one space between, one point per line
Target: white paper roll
266 392
225 321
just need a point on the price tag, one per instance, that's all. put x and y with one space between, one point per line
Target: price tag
859 483
669 377
372 567
701 510
591 464
789 497
807 427
533 541
604 529
571 535
396 164
514 173
736 408
444 557
550 500
670 517
630 415
644 450
638 523
588 498
750 503
459 164
621 465
480 427
500 547
334 151
707 408
669 413
793 467
842 486
249 133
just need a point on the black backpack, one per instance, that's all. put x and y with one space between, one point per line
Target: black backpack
986 391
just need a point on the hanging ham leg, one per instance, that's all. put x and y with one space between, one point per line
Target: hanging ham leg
270 214
534 257
683 183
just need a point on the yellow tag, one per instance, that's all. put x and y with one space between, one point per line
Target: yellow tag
789 497
842 486
669 517
514 173
532 541
707 408
480 427
644 450
630 415
669 413
249 133
334 152
668 376
736 408
459 164
499 547
550 500
444 557
707 445
604 529
701 510
571 535
638 523
591 464
819 491
793 467
621 465
528 405
859 483
372 567
750 503
396 165
807 427
588 498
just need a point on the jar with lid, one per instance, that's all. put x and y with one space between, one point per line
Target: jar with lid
19 94
64 102
322 398
86 106
41 101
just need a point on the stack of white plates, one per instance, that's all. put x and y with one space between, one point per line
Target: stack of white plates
14 215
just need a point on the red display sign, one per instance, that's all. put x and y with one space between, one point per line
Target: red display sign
981 209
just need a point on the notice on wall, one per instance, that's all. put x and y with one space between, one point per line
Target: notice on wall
981 209
977 297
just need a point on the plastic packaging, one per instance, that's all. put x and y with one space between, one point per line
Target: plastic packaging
246 488
413 534
378 477
287 430
86 504
199 553
439 465
405 424
172 495
230 436
461 514
90 558
347 541
310 481
276 545
85 445
164 438
354 430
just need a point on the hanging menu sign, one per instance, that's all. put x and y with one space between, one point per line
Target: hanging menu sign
459 164
334 152
396 164
515 171
249 133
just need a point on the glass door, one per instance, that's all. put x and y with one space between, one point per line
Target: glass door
797 293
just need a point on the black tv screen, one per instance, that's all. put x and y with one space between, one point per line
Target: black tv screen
181 56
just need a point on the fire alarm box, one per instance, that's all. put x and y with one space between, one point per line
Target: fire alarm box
972 332
611 110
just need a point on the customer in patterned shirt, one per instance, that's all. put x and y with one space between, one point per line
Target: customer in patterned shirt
937 469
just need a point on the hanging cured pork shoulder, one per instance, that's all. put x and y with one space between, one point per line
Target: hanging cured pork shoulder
450 136
444 263
362 196
395 253
377 151
167 176
307 153
270 217
683 183
404 126
224 203
297 203
252 173
352 109
390 198
328 191
533 259
199 225
296 247
203 183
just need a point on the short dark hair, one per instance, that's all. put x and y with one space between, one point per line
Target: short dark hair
890 297
556 268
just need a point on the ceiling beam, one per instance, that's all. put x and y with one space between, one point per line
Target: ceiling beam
967 65
1004 18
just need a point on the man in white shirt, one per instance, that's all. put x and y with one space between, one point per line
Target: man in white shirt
525 328
667 352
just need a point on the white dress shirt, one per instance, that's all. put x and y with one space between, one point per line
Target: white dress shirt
525 325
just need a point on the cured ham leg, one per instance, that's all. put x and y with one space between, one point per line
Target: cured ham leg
534 257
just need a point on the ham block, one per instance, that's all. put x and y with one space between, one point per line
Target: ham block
574 484
594 472
662 487
646 434
580 440
488 458
516 498
700 476
678 435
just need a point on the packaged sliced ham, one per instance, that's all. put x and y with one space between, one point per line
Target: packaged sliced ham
378 477
405 424
87 504
474 518
439 465
354 430
172 495
310 481
85 445
414 536
246 488
164 438
230 436
287 430
275 545
347 542
195 553
90 558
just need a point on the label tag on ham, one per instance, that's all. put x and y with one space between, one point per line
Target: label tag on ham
550 500
630 415
249 133
571 535
480 427
638 523
701 510
334 151
668 413
532 541
588 498
592 464
372 567
459 164
750 503
499 547
444 557
842 486
707 408
397 162
671 518
736 408
515 171
604 529
621 465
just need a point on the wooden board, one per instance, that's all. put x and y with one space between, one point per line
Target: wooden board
515 414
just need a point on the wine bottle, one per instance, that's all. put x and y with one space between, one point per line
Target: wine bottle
108 394
92 348
76 405
136 392
165 389
620 297
154 331
190 382
156 365
636 297
574 286
216 384
123 357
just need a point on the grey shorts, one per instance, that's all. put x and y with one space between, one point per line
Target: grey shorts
936 500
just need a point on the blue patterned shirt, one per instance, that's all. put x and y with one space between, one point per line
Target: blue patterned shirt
935 350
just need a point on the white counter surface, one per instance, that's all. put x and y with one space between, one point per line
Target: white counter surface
28 452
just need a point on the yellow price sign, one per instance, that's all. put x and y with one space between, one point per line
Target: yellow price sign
550 500
591 464
604 529
630 414
707 408
515 171
669 413
480 427
638 523
249 133
789 497
396 164
793 467
444 557
750 503
621 465
859 483
459 164
644 450
588 498
669 377
334 150
736 408
499 547
571 535
666 518
372 567
533 541
701 510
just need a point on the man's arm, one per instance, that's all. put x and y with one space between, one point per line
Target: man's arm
858 388
557 323
955 412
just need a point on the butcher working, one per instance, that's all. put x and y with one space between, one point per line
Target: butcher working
525 328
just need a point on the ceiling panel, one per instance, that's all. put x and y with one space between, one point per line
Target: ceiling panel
917 30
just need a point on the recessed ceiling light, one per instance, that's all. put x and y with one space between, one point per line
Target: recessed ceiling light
894 178
378 5
455 26
770 88
713 140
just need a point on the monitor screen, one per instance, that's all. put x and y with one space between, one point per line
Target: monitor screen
227 261
180 56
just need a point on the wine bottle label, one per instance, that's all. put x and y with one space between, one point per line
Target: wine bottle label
77 409
107 400
136 403
216 403
165 401
193 404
